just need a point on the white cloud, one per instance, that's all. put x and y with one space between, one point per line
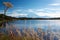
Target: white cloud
55 4
30 10
16 13
41 13
39 10
48 14
53 9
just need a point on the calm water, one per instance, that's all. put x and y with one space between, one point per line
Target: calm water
44 24
50 27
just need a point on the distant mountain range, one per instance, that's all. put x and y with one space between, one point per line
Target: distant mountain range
2 16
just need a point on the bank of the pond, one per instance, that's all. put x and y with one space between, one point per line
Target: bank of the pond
4 21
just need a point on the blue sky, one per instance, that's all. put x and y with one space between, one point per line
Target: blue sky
32 8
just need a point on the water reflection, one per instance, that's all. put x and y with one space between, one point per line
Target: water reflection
33 30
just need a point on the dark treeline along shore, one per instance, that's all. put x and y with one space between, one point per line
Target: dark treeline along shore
9 18
23 18
4 18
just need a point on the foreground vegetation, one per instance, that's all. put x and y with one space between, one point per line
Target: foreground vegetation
14 33
4 36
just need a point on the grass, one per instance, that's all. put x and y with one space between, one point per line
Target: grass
24 34
4 36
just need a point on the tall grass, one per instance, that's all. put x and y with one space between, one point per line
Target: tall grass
24 34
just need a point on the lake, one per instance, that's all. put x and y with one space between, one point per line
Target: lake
44 24
48 27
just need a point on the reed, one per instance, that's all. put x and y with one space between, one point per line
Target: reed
25 34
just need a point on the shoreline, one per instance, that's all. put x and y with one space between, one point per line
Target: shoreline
1 22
